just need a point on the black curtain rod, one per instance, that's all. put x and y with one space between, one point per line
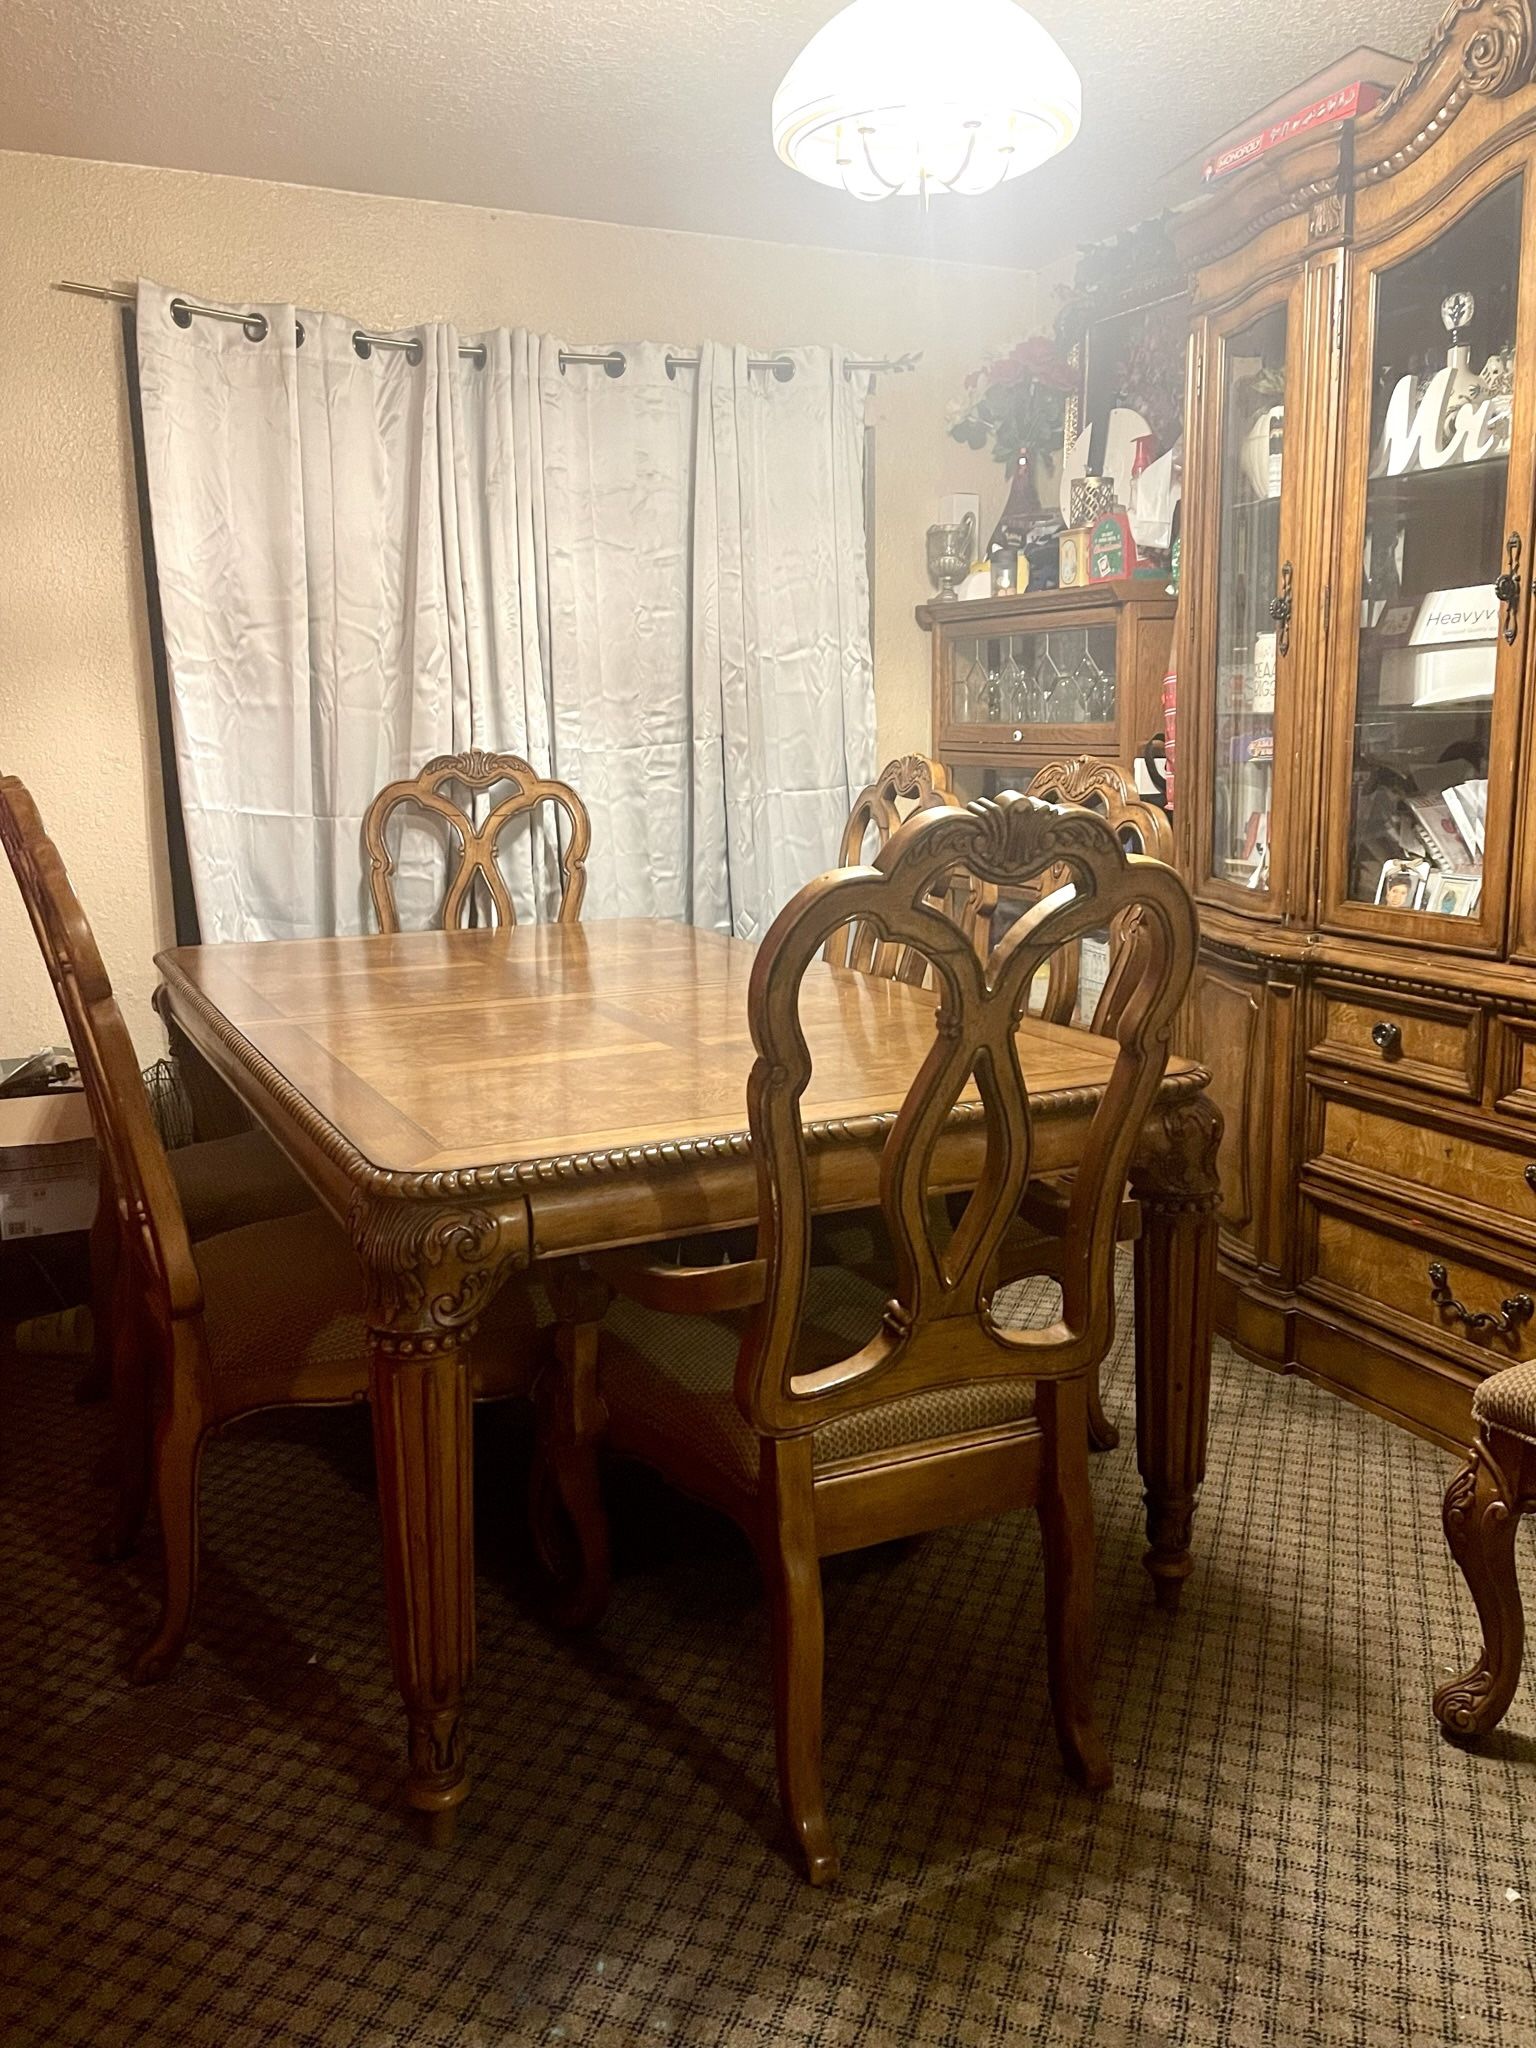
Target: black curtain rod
613 361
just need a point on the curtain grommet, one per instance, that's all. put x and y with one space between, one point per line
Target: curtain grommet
252 325
364 346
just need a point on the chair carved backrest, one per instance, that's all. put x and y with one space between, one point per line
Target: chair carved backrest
1141 827
938 1331
475 857
1109 789
152 1231
909 784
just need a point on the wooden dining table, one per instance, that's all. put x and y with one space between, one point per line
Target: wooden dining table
476 1103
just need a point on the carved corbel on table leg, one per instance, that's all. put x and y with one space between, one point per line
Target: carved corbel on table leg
432 1269
1175 1180
1483 1506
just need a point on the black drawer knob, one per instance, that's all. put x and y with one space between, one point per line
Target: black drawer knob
1389 1038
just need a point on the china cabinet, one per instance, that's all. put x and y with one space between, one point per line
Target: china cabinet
1357 718
1019 681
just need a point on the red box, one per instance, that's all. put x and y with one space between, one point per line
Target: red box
1346 103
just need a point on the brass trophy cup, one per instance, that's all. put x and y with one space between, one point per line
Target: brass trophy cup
949 557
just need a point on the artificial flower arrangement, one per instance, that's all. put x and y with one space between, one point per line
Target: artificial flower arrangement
1017 402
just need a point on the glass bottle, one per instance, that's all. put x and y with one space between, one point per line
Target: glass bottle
1022 508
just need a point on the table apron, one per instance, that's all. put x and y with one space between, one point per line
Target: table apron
582 1207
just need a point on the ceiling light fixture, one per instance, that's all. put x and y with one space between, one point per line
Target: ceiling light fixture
906 97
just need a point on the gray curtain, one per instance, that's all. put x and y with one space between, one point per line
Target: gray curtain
652 586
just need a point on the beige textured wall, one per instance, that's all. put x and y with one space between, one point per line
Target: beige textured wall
76 709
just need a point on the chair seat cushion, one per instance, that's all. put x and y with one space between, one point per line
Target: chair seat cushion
676 1375
283 1314
1507 1400
226 1182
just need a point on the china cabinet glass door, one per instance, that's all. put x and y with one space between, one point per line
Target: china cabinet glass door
1434 581
1252 599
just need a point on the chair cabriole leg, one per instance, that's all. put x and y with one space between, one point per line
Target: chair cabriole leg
1066 1527
791 1566
567 1505
1482 1510
180 1434
1102 1433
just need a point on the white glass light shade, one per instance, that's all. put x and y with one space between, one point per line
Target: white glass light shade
911 96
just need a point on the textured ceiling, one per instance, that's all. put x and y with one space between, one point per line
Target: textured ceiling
653 112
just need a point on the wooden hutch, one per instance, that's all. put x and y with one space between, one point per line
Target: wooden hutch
1357 724
1019 681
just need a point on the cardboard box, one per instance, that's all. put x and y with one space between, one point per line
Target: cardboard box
1112 550
1363 65
1344 103
47 1166
1072 548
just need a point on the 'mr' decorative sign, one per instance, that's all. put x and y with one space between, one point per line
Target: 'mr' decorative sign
1459 416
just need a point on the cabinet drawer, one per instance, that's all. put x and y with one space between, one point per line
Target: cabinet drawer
1480 1313
1441 1162
1433 1044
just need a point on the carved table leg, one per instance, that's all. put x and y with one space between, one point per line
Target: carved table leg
431 1271
1482 1511
1174 1178
423 1448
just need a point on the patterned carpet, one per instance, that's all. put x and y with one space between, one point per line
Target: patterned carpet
1291 1853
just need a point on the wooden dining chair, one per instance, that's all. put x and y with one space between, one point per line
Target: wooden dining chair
473 863
904 786
221 1182
1484 1506
267 1315
824 1413
1142 827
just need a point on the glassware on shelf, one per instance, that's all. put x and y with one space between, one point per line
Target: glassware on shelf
1047 677
1434 547
1095 690
1011 687
1048 685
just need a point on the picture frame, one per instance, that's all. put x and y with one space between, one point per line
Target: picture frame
1401 884
1454 892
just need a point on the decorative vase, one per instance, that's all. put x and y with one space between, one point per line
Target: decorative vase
949 556
1263 452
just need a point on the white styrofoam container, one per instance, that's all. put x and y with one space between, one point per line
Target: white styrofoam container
1452 651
